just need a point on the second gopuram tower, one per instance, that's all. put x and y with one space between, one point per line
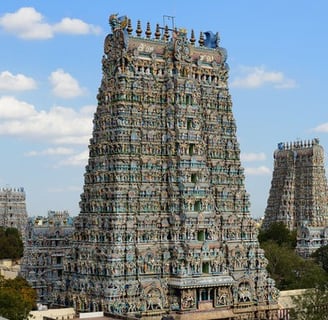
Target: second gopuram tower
299 189
164 225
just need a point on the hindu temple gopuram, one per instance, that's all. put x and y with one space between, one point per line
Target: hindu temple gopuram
46 246
164 228
299 193
13 212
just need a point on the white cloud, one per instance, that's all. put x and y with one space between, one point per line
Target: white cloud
72 140
257 171
50 151
28 24
64 85
321 128
11 109
75 26
250 157
87 110
255 77
80 159
18 82
58 125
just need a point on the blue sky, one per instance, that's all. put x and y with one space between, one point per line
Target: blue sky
50 71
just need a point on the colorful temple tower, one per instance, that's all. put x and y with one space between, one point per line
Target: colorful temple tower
164 226
299 193
46 246
299 189
13 212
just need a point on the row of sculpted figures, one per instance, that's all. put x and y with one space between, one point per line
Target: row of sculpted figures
148 295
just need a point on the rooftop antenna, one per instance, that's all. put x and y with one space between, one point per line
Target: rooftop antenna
166 19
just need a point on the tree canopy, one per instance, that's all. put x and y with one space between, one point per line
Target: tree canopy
321 257
279 233
311 306
17 298
11 244
289 270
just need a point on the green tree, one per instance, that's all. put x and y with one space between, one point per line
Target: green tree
289 270
311 306
17 298
11 244
279 233
321 257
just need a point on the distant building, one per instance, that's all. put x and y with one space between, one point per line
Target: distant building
165 228
13 212
47 244
309 239
9 269
299 193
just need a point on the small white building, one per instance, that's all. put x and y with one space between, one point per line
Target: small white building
58 314
9 269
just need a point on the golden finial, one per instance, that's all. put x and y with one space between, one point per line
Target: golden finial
201 39
139 30
166 33
192 39
148 31
157 32
129 28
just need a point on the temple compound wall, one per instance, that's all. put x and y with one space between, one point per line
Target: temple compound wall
13 212
299 194
46 246
164 226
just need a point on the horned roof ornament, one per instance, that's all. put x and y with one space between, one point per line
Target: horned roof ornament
118 22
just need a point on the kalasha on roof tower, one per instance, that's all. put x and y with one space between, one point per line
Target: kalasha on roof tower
164 226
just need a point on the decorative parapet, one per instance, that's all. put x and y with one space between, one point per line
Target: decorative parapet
299 144
206 39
